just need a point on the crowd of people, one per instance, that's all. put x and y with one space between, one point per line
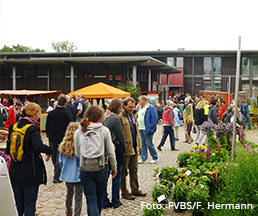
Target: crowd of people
88 144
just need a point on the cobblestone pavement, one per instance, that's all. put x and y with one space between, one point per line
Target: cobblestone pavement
51 200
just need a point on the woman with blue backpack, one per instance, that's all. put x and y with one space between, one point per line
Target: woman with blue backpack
93 144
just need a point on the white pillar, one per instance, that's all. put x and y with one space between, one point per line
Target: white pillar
134 75
72 79
149 81
14 78
160 82
167 84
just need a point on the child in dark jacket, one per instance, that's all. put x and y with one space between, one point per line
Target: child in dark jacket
70 171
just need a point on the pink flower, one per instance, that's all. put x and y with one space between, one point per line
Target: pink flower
208 154
199 152
216 176
219 148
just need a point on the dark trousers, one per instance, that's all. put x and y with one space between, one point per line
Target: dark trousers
26 198
94 188
55 160
130 164
74 190
168 130
116 182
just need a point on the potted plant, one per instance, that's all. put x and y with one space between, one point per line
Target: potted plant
179 195
182 159
153 209
200 194
159 190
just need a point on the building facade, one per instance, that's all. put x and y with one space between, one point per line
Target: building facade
174 71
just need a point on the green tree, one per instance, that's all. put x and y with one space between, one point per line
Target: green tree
64 46
129 87
19 48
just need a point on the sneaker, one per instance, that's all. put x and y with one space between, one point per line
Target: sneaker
174 149
68 214
159 148
128 196
117 206
139 193
141 162
55 181
154 161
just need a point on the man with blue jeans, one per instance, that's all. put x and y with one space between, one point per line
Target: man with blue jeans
147 120
245 113
168 123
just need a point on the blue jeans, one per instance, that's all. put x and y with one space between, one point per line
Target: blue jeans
26 198
116 182
168 131
94 188
248 120
147 143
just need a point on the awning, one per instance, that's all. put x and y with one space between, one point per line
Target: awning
147 62
100 90
24 92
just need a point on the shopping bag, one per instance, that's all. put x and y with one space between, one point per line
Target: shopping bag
7 203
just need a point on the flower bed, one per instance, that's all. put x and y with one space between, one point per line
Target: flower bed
209 175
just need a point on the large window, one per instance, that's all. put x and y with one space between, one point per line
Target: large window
207 65
212 65
245 65
171 61
217 65
255 65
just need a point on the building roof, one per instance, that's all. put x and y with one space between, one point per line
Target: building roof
142 61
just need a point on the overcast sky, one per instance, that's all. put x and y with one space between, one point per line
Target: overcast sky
121 25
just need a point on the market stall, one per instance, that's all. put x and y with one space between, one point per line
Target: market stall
100 90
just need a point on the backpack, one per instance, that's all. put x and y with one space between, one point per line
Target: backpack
17 141
4 114
245 109
180 116
92 147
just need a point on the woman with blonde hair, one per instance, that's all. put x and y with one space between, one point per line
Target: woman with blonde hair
70 171
200 118
27 170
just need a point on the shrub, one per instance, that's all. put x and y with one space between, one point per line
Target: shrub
179 193
182 159
239 184
159 190
198 193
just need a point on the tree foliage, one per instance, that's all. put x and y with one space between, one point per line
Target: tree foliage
19 48
129 87
64 46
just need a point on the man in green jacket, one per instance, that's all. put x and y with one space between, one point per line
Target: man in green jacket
133 143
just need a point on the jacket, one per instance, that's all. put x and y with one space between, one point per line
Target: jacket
129 150
31 170
151 119
57 122
70 169
176 117
188 113
75 105
109 147
11 118
222 110
199 116
113 123
213 114
69 108
168 116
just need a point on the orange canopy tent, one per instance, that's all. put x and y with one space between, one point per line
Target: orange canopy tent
24 92
100 90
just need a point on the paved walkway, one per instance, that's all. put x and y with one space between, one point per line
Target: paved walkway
51 200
